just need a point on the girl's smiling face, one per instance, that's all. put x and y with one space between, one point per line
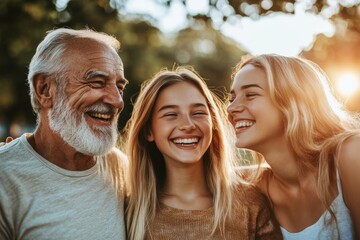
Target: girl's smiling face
257 122
181 125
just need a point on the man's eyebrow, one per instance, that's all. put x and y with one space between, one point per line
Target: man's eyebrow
96 73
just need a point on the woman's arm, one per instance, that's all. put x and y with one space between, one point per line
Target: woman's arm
349 169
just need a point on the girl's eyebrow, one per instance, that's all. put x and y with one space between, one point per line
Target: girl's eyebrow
246 87
167 107
175 106
251 85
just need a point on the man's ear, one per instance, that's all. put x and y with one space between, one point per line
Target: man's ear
44 86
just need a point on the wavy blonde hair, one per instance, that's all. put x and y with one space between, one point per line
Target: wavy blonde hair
316 123
147 172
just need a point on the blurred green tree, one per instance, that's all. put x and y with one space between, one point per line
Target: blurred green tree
340 51
144 50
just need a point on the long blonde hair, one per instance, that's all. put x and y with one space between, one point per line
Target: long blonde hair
316 123
147 172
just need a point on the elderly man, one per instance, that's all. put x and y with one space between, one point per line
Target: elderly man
57 183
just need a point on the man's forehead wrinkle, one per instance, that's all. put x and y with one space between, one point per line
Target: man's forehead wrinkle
100 59
90 51
95 57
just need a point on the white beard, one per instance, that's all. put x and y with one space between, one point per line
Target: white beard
62 120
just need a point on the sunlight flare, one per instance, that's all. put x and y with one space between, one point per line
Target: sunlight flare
347 84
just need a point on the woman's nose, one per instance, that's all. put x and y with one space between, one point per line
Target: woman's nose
186 123
235 106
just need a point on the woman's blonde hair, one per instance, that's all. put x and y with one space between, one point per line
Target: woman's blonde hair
147 172
316 123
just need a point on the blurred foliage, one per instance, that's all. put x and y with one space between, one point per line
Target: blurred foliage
348 11
144 50
341 51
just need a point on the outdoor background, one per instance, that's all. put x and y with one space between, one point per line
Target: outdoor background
210 35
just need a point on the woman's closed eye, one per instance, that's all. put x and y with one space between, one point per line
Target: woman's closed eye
170 114
200 113
251 95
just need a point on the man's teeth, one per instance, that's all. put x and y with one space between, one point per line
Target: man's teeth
243 124
103 116
186 140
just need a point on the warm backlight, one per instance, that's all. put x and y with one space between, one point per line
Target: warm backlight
347 84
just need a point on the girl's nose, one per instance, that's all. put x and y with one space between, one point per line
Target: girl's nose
186 124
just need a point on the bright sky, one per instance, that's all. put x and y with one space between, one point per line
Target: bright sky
285 34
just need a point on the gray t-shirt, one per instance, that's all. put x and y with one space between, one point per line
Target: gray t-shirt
39 200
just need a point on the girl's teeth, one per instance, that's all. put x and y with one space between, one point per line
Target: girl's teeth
243 124
186 140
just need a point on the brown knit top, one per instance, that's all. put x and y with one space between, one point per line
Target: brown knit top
251 219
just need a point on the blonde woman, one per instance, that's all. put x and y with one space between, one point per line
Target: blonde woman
282 108
181 168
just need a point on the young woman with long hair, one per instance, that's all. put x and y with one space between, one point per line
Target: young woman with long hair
182 178
282 108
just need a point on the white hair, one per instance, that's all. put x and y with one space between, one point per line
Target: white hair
49 53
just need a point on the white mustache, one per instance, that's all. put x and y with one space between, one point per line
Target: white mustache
102 108
65 121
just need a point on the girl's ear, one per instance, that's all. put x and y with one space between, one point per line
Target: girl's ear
150 136
45 89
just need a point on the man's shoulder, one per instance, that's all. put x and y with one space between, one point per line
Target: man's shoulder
12 151
5 147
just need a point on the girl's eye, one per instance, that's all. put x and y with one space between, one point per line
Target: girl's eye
169 114
200 113
250 95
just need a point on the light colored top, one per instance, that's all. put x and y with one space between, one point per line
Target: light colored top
251 220
322 231
39 200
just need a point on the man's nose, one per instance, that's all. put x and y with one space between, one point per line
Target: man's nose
113 97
